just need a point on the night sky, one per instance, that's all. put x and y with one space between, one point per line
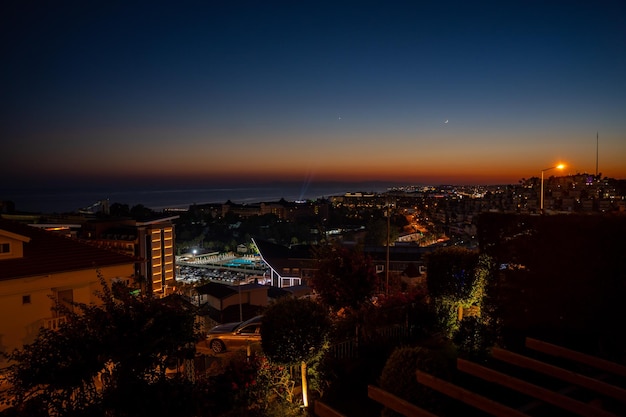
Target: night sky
441 92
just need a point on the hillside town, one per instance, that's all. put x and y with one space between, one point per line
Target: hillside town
463 269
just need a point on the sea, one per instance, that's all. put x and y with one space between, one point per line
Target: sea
73 199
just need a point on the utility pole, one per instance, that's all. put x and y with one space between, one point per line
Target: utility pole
387 258
240 307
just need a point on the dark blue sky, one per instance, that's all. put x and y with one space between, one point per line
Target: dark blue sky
310 89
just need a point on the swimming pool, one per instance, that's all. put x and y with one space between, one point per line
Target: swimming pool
240 262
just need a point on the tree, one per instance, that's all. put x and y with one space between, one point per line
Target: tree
377 230
398 376
295 331
456 280
125 344
141 212
474 338
119 210
344 278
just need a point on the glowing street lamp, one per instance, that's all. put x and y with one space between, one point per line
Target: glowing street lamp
559 166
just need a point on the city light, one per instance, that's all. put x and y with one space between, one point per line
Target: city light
559 166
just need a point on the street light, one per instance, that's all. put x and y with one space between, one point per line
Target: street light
559 166
388 243
387 255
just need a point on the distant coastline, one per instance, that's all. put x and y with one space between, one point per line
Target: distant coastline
72 199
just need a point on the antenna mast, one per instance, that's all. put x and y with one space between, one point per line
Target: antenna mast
596 154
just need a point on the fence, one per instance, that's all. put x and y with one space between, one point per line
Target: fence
349 348
394 333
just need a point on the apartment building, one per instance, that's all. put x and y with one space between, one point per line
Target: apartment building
39 268
151 242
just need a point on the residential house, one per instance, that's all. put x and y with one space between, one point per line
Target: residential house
296 265
221 303
39 268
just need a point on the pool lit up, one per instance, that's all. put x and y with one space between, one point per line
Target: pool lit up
241 262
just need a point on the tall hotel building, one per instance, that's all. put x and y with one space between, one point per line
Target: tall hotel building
156 254
150 242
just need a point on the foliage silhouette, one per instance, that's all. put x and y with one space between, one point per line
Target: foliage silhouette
295 331
344 278
106 359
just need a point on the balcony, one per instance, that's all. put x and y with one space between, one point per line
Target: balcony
53 323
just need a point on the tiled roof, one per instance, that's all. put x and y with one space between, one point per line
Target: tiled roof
275 292
251 287
299 290
279 257
217 290
295 291
50 253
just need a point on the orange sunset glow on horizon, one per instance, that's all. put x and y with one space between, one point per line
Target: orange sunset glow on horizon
213 94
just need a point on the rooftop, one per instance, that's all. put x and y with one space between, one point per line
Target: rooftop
49 253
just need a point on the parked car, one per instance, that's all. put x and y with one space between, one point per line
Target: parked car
234 335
